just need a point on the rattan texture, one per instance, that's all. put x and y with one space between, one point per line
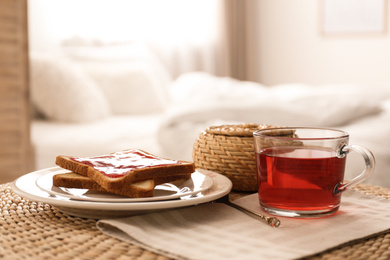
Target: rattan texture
229 150
34 230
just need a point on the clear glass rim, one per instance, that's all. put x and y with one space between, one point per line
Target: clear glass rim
341 133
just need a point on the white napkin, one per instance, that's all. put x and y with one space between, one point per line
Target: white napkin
218 231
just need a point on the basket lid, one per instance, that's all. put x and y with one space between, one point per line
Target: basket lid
236 130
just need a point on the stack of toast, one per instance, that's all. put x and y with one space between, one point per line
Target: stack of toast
132 173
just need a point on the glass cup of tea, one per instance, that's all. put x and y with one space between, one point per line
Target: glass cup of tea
301 170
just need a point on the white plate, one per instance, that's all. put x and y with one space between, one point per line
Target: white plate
167 191
26 187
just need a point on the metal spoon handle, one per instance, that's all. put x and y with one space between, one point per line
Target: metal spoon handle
272 221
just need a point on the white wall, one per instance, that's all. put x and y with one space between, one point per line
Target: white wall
291 48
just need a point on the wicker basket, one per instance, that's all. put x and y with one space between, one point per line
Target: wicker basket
229 150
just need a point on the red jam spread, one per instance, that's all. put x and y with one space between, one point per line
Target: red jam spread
120 163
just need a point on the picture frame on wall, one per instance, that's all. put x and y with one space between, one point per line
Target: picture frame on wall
354 17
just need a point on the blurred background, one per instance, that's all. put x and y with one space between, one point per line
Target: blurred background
267 42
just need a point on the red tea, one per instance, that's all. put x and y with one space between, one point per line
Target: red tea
299 179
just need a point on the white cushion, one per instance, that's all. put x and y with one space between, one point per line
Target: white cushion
61 91
131 77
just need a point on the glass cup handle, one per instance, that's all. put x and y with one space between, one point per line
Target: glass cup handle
369 160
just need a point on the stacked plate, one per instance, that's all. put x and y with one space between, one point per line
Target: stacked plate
203 186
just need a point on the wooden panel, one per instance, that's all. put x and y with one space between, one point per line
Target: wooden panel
15 147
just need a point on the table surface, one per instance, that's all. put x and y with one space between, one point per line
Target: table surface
35 230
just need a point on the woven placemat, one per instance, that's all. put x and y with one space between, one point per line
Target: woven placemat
34 230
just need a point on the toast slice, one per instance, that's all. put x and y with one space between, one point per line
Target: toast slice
115 172
73 180
77 181
139 189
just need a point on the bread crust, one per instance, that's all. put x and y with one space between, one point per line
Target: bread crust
73 180
121 185
66 163
77 181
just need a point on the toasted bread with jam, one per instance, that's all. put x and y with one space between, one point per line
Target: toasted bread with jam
117 172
